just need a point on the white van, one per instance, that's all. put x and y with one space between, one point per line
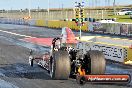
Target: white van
122 12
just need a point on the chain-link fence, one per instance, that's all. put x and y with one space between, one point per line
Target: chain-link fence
56 14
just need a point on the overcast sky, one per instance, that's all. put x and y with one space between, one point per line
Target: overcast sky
22 4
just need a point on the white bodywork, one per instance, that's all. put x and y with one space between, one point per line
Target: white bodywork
64 35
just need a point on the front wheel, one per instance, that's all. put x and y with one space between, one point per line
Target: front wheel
31 61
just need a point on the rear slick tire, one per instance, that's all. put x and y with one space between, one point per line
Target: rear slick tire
60 65
97 62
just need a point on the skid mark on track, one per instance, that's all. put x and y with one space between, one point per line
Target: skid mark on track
20 70
5 84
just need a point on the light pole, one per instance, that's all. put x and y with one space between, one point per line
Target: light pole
114 7
48 8
29 8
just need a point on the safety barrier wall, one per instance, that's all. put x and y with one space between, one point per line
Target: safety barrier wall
113 52
13 21
112 28
32 22
40 23
129 54
59 24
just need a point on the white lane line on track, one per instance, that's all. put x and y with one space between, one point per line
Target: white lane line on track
16 34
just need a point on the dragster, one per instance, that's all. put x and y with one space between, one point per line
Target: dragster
67 58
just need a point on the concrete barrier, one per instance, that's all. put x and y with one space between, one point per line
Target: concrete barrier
112 28
39 23
120 51
32 22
